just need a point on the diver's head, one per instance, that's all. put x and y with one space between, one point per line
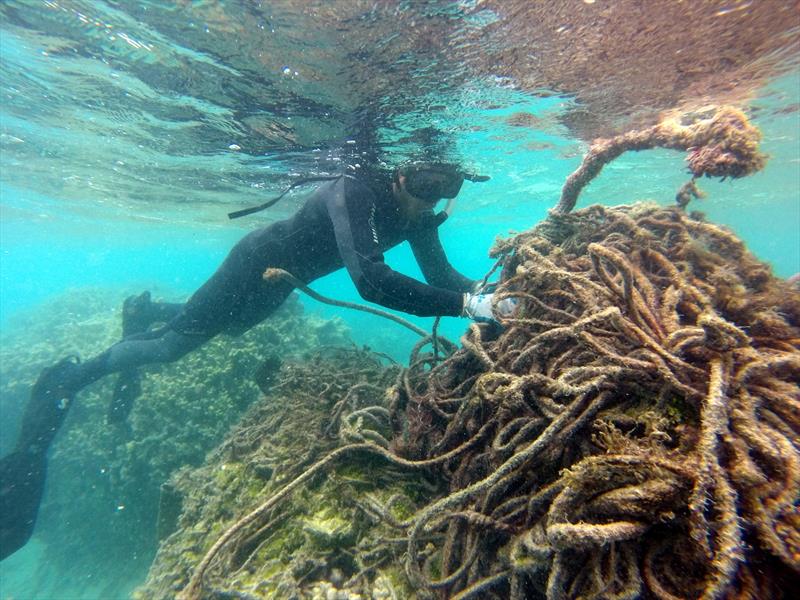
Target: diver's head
430 182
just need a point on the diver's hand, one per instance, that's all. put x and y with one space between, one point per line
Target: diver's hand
482 308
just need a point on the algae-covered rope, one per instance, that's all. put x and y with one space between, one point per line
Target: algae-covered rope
193 590
674 299
722 145
281 274
646 400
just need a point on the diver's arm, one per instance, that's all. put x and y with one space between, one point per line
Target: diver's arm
431 257
349 206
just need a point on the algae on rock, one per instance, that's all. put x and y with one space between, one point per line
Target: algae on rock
328 537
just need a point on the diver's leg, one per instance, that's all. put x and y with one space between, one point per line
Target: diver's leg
22 473
163 346
138 315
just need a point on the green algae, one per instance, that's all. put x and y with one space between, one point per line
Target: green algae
326 530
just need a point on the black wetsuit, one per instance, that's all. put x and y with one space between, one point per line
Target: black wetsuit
343 223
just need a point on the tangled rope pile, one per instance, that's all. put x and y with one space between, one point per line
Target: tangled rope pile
284 442
632 431
636 425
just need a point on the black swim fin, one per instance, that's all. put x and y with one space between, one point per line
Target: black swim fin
22 476
22 473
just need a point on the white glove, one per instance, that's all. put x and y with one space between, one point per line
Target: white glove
478 307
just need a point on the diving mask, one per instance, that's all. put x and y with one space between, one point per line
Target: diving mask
431 182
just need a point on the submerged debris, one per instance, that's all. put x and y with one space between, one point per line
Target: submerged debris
633 431
688 192
639 419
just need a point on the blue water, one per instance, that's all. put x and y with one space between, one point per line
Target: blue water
47 253
121 157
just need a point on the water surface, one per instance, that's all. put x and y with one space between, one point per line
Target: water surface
128 130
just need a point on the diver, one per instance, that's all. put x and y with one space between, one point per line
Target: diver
346 222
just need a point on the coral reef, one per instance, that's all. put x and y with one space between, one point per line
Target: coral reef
631 432
719 142
98 517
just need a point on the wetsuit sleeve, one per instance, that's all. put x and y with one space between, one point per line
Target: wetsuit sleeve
433 261
351 209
